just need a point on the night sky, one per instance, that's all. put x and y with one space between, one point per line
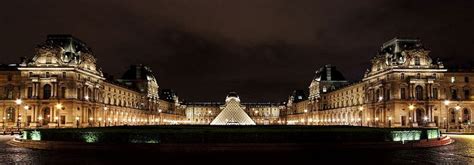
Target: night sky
262 49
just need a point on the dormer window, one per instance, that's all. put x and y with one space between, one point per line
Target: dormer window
49 60
417 61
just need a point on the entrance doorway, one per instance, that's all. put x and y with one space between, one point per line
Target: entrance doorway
46 115
420 115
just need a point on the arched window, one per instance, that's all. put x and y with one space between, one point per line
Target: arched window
454 94
417 61
90 94
78 92
10 115
46 91
466 116
452 117
419 92
9 92
377 95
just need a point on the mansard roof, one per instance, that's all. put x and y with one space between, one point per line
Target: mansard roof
397 45
329 73
138 72
68 43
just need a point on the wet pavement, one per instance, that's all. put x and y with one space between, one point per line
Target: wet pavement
461 152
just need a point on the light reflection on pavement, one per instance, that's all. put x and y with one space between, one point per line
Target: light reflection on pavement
461 152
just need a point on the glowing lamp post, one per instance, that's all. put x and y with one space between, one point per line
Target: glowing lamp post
457 108
59 106
57 121
106 116
390 121
3 122
18 121
40 120
161 118
446 104
77 121
306 116
91 119
361 109
411 107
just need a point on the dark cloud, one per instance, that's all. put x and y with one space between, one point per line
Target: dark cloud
261 49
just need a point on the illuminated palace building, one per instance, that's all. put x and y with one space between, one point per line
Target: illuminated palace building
61 86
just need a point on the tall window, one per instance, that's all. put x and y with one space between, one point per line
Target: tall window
377 95
10 77
466 79
78 92
9 92
467 94
452 116
402 76
63 92
402 94
417 61
30 92
419 92
435 93
46 91
454 94
387 97
10 114
90 94
466 116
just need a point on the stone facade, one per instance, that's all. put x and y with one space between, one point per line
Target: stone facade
61 86
403 88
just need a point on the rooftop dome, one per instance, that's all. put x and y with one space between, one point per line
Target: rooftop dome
232 95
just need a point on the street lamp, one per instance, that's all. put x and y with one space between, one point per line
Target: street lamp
57 121
361 108
457 108
390 121
91 119
18 122
3 123
161 118
59 106
40 120
306 116
411 107
100 120
106 115
77 121
446 103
